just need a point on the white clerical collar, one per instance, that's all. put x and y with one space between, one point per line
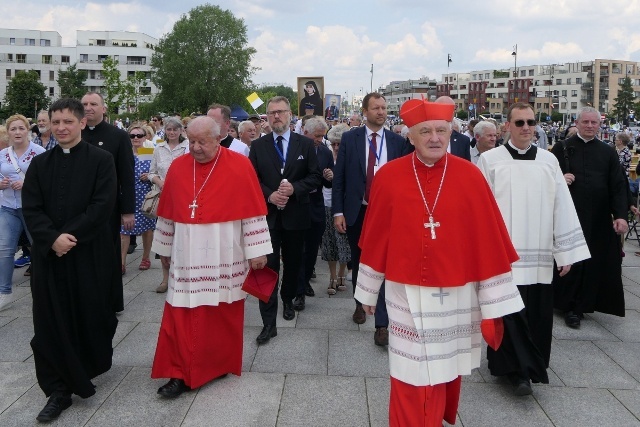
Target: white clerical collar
583 139
66 150
518 149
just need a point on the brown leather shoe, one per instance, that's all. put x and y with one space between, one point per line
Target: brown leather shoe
381 336
359 316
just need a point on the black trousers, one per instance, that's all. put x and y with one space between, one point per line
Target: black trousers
291 243
353 235
312 240
526 345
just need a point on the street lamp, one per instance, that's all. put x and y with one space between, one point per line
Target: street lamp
515 70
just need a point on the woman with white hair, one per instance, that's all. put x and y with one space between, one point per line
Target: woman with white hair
335 246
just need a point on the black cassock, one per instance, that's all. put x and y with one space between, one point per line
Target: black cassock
73 318
599 192
117 142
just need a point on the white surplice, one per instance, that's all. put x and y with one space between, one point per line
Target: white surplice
209 261
434 333
538 211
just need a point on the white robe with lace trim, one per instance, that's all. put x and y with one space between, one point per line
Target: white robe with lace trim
538 211
434 333
209 261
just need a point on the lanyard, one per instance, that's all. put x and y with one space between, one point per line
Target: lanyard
379 153
280 154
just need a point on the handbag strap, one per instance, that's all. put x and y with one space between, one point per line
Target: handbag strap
14 162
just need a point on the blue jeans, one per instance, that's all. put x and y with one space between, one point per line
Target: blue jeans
11 226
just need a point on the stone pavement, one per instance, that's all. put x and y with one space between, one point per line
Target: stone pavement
324 370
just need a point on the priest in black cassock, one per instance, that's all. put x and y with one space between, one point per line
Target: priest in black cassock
67 198
592 171
103 135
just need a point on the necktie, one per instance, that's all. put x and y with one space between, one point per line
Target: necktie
370 165
279 144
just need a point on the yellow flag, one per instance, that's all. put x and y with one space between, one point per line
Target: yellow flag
254 100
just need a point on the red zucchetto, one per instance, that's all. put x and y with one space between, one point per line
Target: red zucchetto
417 111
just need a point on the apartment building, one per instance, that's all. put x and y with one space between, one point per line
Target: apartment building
561 87
43 52
397 92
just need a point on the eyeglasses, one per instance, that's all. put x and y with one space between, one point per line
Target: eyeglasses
277 112
154 120
136 135
520 123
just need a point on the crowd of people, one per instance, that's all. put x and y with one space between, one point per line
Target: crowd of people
381 202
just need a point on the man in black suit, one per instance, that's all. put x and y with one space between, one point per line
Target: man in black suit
360 156
459 144
287 168
116 141
314 128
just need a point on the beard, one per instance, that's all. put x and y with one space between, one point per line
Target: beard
279 127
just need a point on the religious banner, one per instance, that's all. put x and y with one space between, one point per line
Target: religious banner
310 95
332 101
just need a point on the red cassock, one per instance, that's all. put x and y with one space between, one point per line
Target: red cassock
472 244
198 344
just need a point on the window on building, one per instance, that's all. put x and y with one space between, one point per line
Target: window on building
21 58
39 73
564 93
563 105
574 93
52 75
12 41
530 73
44 42
10 57
46 59
574 105
65 59
101 58
578 80
475 77
84 57
145 90
486 75
546 106
620 81
29 42
52 91
92 74
558 81
539 105
101 42
8 74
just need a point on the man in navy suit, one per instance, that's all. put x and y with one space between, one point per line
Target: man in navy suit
287 168
460 145
362 152
314 128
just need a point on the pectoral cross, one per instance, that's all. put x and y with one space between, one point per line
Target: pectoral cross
193 207
441 295
432 225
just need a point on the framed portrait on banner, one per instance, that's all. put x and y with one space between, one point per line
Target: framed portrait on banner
310 96
332 103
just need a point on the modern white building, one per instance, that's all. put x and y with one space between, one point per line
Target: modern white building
562 87
42 51
397 92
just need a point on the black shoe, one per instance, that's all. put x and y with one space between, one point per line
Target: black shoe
572 320
287 311
54 408
521 386
267 333
131 248
174 388
308 291
299 303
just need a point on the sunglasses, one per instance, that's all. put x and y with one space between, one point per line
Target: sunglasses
154 120
136 135
520 123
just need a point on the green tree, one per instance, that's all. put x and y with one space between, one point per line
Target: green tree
204 59
625 100
130 89
25 95
268 91
462 114
72 82
113 86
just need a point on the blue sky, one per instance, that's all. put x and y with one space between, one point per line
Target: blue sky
404 39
